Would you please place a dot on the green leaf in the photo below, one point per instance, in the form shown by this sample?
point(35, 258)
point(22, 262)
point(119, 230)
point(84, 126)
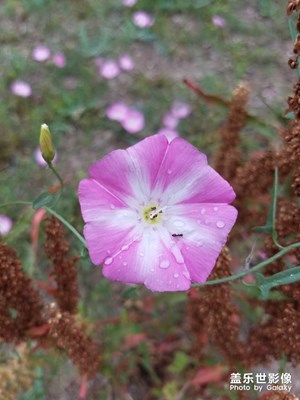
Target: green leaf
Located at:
point(289, 115)
point(46, 199)
point(265, 284)
point(130, 293)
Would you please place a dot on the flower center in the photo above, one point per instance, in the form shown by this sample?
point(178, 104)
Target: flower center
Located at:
point(152, 214)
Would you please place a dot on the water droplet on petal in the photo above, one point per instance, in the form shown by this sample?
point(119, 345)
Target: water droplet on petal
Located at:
point(164, 264)
point(142, 254)
point(112, 206)
point(108, 260)
point(152, 269)
point(108, 251)
point(176, 275)
point(125, 247)
point(124, 263)
point(169, 172)
point(220, 224)
point(178, 223)
point(216, 208)
point(199, 243)
point(203, 211)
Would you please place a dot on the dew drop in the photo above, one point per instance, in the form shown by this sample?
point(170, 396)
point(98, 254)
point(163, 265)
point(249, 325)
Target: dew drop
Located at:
point(152, 269)
point(108, 251)
point(108, 260)
point(112, 206)
point(199, 243)
point(169, 172)
point(176, 275)
point(177, 286)
point(142, 254)
point(178, 223)
point(164, 264)
point(125, 247)
point(203, 211)
point(124, 263)
point(220, 224)
point(216, 208)
point(177, 254)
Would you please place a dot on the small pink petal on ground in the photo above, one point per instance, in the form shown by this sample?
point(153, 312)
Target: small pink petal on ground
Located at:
point(134, 121)
point(21, 88)
point(109, 69)
point(126, 63)
point(5, 225)
point(218, 21)
point(129, 3)
point(169, 133)
point(39, 158)
point(142, 19)
point(59, 60)
point(117, 111)
point(180, 109)
point(169, 121)
point(41, 53)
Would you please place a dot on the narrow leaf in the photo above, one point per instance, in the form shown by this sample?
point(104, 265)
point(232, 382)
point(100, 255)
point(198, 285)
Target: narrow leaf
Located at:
point(46, 199)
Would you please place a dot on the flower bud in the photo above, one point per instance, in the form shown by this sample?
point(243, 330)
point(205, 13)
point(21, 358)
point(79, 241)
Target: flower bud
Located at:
point(46, 145)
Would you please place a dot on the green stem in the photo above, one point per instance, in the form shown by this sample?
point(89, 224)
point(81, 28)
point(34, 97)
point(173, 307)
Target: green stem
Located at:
point(67, 224)
point(251, 270)
point(50, 211)
point(56, 174)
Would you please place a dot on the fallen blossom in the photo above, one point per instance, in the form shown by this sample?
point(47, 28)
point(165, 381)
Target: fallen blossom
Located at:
point(5, 225)
point(117, 111)
point(21, 88)
point(109, 69)
point(134, 121)
point(180, 110)
point(169, 133)
point(129, 3)
point(142, 19)
point(156, 213)
point(170, 121)
point(41, 53)
point(218, 21)
point(126, 63)
point(59, 60)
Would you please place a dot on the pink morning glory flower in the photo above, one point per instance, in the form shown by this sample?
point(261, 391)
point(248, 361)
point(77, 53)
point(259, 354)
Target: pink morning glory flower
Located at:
point(218, 21)
point(134, 121)
point(21, 88)
point(5, 225)
point(156, 213)
point(41, 53)
point(126, 63)
point(59, 60)
point(117, 111)
point(109, 69)
point(142, 19)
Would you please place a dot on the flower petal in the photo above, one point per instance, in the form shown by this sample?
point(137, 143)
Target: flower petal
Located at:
point(131, 173)
point(185, 177)
point(150, 262)
point(204, 228)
